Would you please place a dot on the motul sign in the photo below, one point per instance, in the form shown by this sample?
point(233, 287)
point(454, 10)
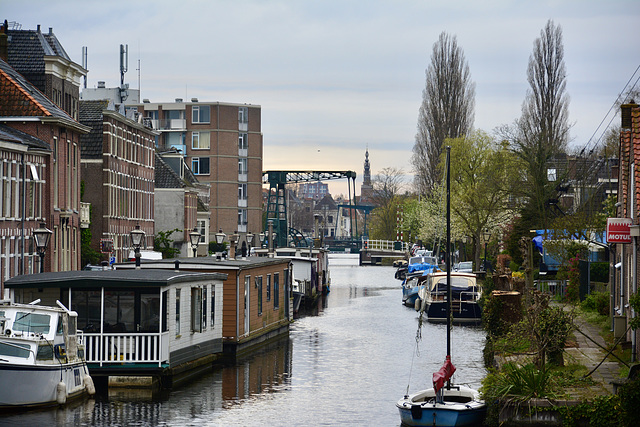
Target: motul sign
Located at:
point(619, 230)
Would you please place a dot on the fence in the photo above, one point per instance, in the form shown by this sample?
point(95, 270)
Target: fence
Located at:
point(126, 348)
point(552, 287)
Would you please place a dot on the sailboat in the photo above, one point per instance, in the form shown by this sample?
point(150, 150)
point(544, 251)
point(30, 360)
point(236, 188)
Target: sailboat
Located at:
point(444, 404)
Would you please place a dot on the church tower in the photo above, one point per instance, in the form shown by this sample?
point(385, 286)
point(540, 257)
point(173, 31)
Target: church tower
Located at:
point(366, 190)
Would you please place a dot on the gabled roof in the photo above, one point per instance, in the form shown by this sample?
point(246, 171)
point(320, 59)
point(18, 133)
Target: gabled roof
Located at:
point(165, 176)
point(26, 52)
point(20, 98)
point(9, 134)
point(90, 114)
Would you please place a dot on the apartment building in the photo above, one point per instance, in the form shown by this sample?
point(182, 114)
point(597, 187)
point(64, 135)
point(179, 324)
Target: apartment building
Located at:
point(222, 144)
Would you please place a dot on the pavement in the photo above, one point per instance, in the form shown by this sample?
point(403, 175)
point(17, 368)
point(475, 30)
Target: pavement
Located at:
point(591, 354)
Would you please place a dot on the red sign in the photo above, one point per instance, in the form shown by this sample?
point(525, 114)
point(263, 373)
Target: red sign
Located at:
point(618, 230)
point(106, 246)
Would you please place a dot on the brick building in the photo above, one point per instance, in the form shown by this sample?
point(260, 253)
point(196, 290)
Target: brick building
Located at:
point(222, 144)
point(118, 157)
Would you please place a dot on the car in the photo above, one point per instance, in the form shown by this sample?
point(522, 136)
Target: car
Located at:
point(465, 267)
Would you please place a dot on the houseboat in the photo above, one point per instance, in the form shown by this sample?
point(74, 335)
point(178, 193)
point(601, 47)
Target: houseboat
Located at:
point(256, 295)
point(157, 324)
point(41, 356)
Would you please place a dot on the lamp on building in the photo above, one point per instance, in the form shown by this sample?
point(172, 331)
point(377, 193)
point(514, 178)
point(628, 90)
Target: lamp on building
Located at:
point(42, 236)
point(220, 236)
point(136, 236)
point(486, 235)
point(194, 239)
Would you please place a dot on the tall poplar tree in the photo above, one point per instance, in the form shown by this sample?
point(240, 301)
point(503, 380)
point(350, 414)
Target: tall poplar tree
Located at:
point(447, 109)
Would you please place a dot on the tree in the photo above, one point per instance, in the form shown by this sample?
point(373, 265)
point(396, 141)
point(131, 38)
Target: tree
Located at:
point(447, 109)
point(163, 243)
point(542, 132)
point(481, 183)
point(385, 196)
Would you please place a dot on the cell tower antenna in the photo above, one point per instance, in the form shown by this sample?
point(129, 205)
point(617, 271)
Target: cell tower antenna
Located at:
point(85, 63)
point(124, 61)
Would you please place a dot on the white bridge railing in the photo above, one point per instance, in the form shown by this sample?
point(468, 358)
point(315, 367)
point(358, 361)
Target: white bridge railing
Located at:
point(386, 245)
point(117, 348)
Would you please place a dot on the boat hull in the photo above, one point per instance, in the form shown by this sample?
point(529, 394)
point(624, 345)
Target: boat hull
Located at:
point(461, 406)
point(409, 295)
point(468, 312)
point(36, 385)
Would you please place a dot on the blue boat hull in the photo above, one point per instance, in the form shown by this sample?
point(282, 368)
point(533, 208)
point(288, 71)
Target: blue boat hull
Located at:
point(461, 407)
point(409, 295)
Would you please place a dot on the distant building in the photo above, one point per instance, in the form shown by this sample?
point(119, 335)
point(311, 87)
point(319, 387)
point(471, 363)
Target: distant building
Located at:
point(315, 190)
point(366, 189)
point(326, 210)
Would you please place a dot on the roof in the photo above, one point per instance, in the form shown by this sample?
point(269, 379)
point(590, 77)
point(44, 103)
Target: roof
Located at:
point(208, 263)
point(26, 52)
point(165, 176)
point(90, 114)
point(9, 134)
point(20, 98)
point(109, 278)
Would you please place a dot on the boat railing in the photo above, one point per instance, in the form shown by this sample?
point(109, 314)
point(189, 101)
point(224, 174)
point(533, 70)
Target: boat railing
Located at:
point(119, 348)
point(463, 296)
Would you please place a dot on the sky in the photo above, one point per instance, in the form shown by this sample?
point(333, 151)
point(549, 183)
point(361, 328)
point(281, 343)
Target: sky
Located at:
point(335, 78)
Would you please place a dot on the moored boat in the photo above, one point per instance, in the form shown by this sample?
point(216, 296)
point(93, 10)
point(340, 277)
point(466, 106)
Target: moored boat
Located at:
point(41, 356)
point(414, 282)
point(465, 298)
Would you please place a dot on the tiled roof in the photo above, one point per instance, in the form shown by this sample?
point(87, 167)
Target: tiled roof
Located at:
point(165, 176)
point(26, 52)
point(19, 98)
point(90, 114)
point(9, 134)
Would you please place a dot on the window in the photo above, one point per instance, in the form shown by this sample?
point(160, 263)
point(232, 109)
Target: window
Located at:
point(243, 115)
point(552, 174)
point(242, 166)
point(204, 307)
point(259, 288)
point(242, 217)
point(213, 305)
point(242, 191)
point(200, 114)
point(177, 312)
point(243, 141)
point(202, 229)
point(200, 140)
point(200, 165)
point(268, 287)
point(196, 309)
point(276, 290)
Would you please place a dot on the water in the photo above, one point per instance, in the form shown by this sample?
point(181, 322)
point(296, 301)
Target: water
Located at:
point(346, 365)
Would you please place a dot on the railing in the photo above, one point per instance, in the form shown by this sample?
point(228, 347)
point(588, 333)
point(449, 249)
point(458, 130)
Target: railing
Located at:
point(553, 287)
point(126, 348)
point(386, 245)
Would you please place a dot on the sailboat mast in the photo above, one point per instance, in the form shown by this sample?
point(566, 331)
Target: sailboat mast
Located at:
point(447, 256)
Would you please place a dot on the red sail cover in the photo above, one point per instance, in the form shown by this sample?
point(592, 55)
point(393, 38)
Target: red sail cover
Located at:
point(443, 375)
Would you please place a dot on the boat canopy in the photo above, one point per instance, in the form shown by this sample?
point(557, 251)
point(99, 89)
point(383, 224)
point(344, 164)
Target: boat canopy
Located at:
point(423, 266)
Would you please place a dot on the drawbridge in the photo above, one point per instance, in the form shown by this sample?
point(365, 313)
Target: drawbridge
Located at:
point(277, 204)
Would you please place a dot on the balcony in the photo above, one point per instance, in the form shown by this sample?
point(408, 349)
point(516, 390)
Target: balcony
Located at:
point(169, 124)
point(85, 215)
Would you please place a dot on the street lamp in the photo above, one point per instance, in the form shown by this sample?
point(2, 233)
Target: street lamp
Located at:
point(219, 239)
point(42, 236)
point(136, 240)
point(194, 238)
point(486, 235)
point(261, 237)
point(250, 237)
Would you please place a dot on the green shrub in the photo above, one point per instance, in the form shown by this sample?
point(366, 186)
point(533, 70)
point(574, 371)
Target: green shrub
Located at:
point(598, 302)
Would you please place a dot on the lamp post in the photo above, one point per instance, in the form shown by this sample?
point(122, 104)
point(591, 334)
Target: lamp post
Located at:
point(233, 239)
point(136, 240)
point(194, 239)
point(42, 236)
point(250, 237)
point(219, 239)
point(261, 236)
point(486, 235)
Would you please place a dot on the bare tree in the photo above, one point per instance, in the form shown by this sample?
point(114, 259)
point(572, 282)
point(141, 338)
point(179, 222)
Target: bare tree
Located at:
point(387, 186)
point(542, 132)
point(447, 109)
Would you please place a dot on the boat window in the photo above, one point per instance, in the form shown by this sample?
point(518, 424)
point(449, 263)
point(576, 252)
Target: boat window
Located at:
point(32, 322)
point(60, 328)
point(457, 282)
point(45, 352)
point(73, 325)
point(119, 311)
point(150, 312)
point(87, 305)
point(14, 350)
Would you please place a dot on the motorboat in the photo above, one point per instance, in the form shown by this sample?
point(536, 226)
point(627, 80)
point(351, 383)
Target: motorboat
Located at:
point(465, 298)
point(414, 281)
point(41, 356)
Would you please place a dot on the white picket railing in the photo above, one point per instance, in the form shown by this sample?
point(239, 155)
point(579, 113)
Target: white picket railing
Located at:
point(126, 348)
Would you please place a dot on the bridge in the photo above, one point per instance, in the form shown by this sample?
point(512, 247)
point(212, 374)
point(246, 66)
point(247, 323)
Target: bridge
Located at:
point(373, 251)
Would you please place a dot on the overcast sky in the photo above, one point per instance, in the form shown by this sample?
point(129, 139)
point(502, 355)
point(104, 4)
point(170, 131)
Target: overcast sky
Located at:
point(336, 77)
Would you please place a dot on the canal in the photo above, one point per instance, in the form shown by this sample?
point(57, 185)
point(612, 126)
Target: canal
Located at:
point(347, 363)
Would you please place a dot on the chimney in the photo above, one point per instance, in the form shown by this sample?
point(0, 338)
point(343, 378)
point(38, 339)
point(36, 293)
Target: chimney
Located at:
point(625, 113)
point(51, 30)
point(194, 99)
point(4, 42)
point(101, 85)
